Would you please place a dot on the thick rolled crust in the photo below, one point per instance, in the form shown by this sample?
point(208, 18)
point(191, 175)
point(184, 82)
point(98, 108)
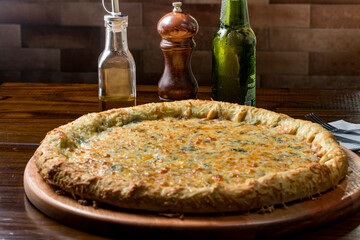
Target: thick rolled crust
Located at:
point(253, 193)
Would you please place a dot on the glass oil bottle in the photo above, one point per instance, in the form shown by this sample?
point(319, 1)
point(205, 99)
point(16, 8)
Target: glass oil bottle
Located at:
point(116, 65)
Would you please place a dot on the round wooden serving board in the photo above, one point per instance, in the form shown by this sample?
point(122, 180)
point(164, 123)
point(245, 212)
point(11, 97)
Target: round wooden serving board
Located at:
point(326, 208)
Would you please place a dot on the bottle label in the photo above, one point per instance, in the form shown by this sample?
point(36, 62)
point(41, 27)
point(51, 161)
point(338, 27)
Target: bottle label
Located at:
point(250, 94)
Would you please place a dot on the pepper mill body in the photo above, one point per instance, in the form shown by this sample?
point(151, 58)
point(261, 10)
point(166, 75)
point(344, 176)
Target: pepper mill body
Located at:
point(177, 30)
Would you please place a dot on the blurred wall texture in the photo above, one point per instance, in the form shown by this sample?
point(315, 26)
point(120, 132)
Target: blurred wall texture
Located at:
point(300, 43)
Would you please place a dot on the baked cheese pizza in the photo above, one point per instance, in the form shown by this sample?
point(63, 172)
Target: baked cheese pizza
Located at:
point(191, 156)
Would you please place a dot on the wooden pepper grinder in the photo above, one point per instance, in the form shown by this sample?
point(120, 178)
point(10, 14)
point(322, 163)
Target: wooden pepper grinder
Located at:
point(177, 30)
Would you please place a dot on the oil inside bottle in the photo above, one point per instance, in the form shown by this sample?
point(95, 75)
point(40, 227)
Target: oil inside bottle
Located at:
point(116, 88)
point(119, 102)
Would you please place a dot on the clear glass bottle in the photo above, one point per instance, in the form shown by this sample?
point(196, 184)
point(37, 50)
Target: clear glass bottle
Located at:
point(117, 71)
point(234, 52)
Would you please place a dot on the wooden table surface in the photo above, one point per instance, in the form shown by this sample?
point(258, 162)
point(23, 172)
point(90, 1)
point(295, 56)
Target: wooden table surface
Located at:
point(29, 110)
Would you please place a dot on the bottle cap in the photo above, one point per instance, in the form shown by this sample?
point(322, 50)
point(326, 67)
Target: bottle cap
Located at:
point(177, 24)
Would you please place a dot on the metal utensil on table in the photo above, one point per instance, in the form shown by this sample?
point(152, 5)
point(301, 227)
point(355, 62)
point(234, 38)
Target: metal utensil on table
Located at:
point(316, 119)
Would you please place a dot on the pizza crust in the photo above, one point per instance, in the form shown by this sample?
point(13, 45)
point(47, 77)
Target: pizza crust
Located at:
point(51, 161)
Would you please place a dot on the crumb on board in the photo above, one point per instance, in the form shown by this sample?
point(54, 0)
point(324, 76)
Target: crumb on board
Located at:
point(266, 209)
point(83, 202)
point(60, 192)
point(95, 204)
point(172, 215)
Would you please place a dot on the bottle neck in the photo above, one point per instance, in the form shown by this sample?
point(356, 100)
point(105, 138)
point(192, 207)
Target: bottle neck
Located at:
point(234, 13)
point(116, 37)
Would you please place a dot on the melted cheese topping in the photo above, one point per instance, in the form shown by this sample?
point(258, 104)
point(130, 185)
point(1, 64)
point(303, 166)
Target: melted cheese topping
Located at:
point(190, 152)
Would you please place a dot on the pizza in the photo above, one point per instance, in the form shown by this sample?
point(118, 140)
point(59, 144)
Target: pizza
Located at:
point(191, 156)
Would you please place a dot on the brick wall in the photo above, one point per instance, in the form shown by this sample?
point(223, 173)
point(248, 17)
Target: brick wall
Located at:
point(301, 43)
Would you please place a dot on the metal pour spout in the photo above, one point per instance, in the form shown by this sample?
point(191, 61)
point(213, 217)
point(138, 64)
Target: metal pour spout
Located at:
point(115, 7)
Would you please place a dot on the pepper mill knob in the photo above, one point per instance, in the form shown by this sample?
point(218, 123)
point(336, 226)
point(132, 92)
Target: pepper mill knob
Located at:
point(177, 30)
point(177, 6)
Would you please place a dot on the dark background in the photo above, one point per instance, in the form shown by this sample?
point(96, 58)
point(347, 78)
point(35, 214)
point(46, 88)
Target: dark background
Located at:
point(301, 43)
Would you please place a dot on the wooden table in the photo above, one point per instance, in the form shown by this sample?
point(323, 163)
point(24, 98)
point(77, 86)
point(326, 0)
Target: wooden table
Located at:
point(28, 111)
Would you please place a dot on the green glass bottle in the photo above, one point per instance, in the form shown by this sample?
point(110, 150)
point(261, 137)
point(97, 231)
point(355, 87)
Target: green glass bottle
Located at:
point(234, 52)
